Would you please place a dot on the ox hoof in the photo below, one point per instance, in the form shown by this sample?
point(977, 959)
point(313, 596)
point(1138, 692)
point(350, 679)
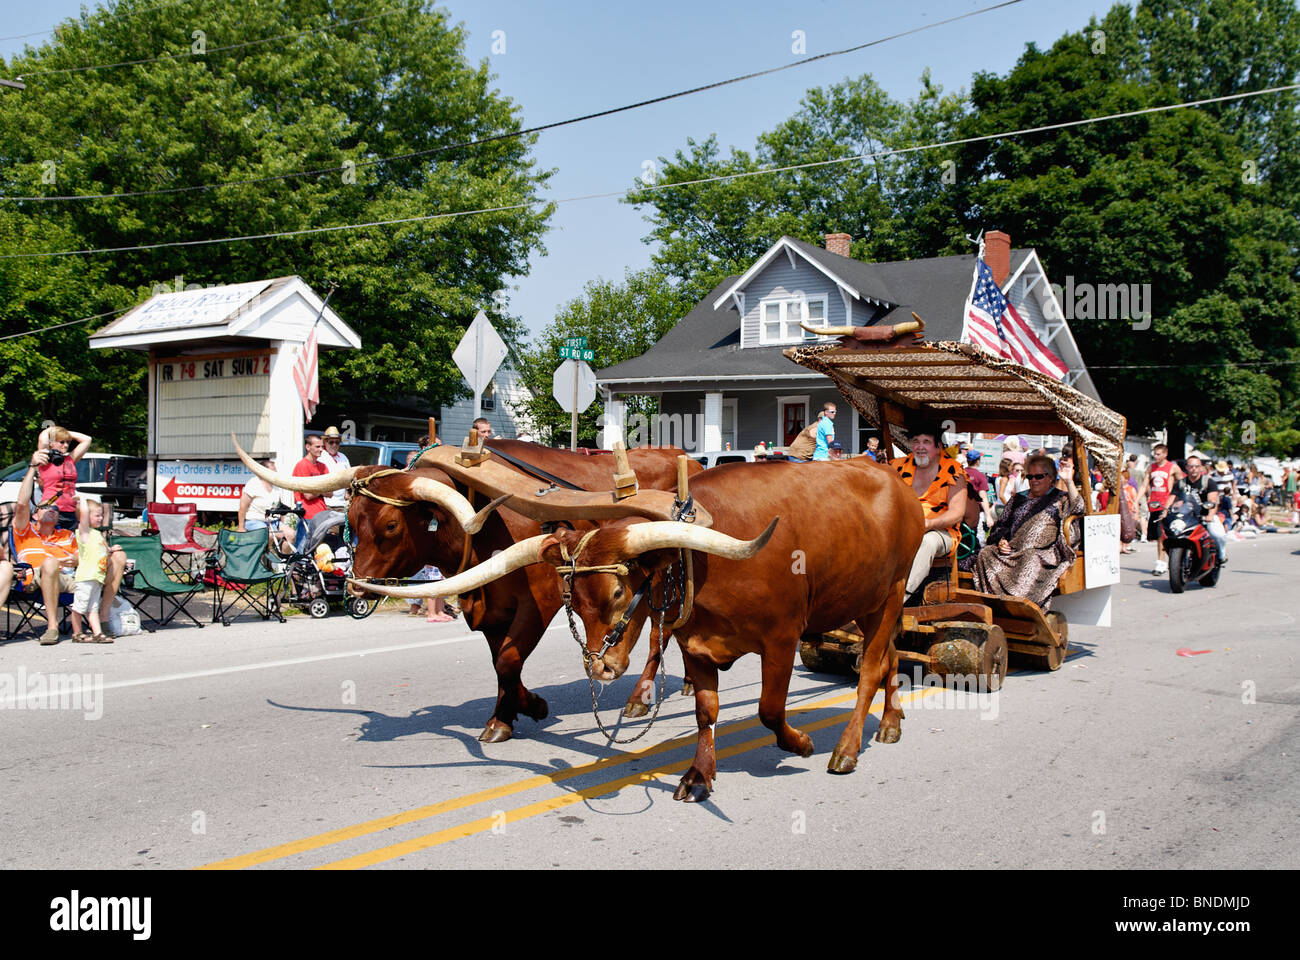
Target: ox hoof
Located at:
point(841, 763)
point(635, 708)
point(889, 734)
point(495, 732)
point(691, 792)
point(535, 708)
point(688, 689)
point(694, 787)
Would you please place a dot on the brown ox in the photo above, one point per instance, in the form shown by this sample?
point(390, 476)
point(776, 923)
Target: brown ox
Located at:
point(514, 611)
point(841, 552)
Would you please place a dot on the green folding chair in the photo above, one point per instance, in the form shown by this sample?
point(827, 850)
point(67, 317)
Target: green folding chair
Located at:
point(243, 574)
point(150, 579)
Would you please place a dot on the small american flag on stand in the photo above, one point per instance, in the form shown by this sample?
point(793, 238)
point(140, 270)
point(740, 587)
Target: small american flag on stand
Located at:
point(994, 324)
point(305, 375)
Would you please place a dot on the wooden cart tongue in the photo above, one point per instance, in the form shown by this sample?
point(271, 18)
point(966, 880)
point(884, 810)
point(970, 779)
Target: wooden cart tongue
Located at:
point(540, 501)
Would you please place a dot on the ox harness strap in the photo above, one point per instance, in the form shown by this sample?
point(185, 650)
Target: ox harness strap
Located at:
point(678, 588)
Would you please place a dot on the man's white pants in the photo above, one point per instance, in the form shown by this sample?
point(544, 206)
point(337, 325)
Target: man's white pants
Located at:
point(935, 543)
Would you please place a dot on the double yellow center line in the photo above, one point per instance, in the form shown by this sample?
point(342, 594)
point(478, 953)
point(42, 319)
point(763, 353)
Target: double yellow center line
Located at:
point(393, 851)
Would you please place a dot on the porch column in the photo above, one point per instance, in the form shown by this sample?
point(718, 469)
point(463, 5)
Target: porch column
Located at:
point(711, 436)
point(612, 423)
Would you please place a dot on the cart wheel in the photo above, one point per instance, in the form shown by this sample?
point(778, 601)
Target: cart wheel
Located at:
point(993, 658)
point(1049, 660)
point(1061, 627)
point(320, 607)
point(820, 660)
point(360, 607)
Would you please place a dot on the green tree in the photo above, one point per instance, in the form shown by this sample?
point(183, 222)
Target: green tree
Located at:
point(1161, 198)
point(1203, 204)
point(620, 321)
point(708, 231)
point(344, 93)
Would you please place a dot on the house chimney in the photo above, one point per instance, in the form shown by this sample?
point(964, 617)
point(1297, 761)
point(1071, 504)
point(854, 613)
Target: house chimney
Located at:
point(838, 243)
point(997, 254)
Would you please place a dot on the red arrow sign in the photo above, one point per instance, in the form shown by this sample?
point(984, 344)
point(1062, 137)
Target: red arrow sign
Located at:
point(201, 491)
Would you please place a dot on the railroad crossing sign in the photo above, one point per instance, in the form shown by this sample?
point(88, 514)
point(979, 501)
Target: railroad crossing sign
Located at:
point(478, 355)
point(574, 388)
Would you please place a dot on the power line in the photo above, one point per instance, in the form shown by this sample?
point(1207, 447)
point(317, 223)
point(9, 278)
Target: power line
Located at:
point(70, 323)
point(232, 46)
point(659, 186)
point(519, 133)
point(113, 16)
point(1197, 366)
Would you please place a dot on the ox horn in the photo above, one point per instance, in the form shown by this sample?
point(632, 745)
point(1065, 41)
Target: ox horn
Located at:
point(671, 534)
point(863, 333)
point(518, 555)
point(327, 483)
point(449, 498)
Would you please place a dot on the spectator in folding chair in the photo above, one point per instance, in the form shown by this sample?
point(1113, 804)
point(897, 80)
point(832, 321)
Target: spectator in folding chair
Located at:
point(258, 497)
point(50, 552)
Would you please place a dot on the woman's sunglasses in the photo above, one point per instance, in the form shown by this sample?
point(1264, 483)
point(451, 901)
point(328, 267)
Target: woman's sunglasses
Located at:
point(1035, 476)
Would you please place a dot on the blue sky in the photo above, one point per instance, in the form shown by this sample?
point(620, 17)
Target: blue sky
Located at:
point(564, 59)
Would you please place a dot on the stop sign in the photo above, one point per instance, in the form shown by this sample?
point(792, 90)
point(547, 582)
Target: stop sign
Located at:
point(569, 374)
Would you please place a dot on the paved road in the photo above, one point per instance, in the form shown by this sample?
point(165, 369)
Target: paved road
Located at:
point(339, 743)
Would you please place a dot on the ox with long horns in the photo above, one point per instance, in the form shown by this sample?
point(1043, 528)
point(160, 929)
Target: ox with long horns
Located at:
point(841, 551)
point(404, 519)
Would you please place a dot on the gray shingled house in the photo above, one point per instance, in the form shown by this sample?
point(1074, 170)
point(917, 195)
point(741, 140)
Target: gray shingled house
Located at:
point(720, 374)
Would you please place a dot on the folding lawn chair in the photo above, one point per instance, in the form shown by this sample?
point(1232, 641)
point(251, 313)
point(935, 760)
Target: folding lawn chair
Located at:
point(150, 579)
point(242, 563)
point(27, 601)
point(181, 541)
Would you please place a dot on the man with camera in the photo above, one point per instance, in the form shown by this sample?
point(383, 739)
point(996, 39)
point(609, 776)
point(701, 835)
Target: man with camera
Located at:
point(56, 462)
point(51, 551)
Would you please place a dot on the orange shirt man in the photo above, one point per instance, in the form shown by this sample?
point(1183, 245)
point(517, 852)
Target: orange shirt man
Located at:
point(939, 482)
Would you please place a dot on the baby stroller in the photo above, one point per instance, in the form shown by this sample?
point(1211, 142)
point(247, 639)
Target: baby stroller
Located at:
point(318, 576)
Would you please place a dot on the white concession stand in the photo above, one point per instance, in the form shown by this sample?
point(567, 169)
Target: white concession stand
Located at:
point(221, 361)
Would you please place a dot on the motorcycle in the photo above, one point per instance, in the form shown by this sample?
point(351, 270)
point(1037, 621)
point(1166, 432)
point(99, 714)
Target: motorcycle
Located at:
point(1193, 554)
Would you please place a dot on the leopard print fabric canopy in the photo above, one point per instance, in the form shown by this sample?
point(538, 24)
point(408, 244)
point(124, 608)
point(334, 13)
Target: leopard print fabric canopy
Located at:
point(982, 386)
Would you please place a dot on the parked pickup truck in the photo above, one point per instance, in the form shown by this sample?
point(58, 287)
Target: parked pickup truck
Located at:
point(365, 453)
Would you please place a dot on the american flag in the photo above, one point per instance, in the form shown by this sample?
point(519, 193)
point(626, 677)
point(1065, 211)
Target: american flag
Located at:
point(304, 375)
point(994, 324)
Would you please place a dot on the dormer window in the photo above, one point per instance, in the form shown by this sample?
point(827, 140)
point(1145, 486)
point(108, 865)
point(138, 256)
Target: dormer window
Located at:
point(778, 319)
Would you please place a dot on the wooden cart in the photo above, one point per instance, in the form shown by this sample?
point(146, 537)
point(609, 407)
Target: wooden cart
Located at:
point(958, 630)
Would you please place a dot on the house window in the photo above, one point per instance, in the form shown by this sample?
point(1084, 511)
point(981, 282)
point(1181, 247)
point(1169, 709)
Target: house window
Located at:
point(490, 397)
point(779, 319)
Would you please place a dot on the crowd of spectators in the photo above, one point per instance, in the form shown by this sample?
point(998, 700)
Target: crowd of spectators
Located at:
point(1245, 493)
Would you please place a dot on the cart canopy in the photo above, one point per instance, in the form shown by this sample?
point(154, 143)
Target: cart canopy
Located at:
point(895, 381)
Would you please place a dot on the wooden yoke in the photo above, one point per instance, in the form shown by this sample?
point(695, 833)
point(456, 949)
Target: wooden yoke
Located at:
point(688, 561)
point(472, 452)
point(433, 429)
point(625, 484)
